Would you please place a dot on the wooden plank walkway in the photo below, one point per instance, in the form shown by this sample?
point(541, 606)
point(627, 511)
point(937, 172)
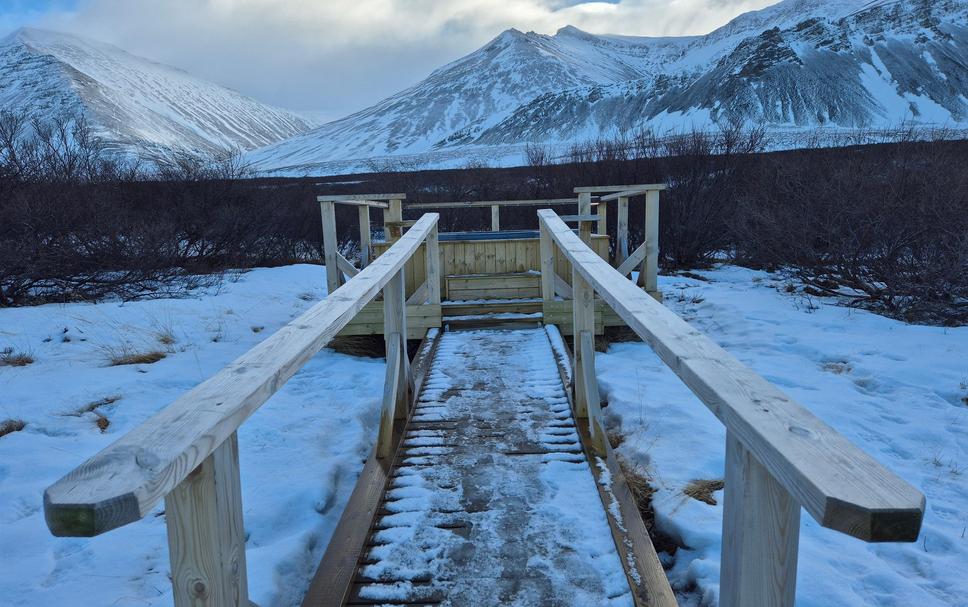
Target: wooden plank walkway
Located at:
point(491, 499)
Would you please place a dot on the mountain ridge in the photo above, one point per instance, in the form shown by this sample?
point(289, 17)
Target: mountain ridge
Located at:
point(798, 64)
point(134, 104)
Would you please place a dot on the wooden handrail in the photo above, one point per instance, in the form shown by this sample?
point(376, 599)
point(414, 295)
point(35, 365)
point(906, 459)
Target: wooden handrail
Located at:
point(122, 483)
point(491, 203)
point(779, 456)
point(638, 191)
point(842, 487)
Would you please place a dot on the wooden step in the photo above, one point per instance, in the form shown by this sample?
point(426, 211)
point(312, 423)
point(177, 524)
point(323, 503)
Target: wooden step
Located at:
point(497, 306)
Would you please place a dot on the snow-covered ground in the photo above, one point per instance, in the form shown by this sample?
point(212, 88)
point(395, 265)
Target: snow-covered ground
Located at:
point(894, 389)
point(300, 453)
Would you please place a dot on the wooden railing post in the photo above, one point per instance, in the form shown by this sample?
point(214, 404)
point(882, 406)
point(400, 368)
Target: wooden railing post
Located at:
point(495, 218)
point(583, 319)
point(392, 218)
point(433, 266)
point(334, 276)
point(622, 235)
point(585, 209)
point(761, 533)
point(206, 539)
point(649, 272)
point(396, 391)
point(602, 218)
point(547, 252)
point(365, 246)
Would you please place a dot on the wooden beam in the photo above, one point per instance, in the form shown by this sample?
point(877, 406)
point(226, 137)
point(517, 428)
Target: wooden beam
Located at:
point(432, 266)
point(360, 203)
point(395, 323)
point(649, 272)
point(589, 386)
point(633, 260)
point(842, 487)
point(635, 192)
point(334, 279)
point(495, 218)
point(345, 266)
point(124, 482)
point(602, 219)
point(622, 236)
point(546, 250)
point(583, 314)
point(585, 225)
point(761, 532)
point(562, 288)
point(391, 391)
point(491, 203)
point(366, 247)
point(590, 217)
point(419, 296)
point(206, 538)
point(363, 197)
point(604, 189)
point(392, 217)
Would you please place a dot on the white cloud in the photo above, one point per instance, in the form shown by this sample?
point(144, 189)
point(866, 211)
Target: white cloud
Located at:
point(338, 57)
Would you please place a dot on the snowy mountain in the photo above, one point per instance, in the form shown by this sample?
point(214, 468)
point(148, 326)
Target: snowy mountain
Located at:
point(132, 103)
point(799, 64)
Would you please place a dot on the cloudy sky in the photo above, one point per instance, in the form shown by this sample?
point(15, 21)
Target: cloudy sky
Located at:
point(336, 57)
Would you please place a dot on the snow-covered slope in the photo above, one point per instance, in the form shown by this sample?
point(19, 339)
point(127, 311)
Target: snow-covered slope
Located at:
point(133, 103)
point(798, 64)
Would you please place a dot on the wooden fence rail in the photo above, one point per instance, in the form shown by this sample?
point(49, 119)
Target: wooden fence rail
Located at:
point(187, 453)
point(779, 456)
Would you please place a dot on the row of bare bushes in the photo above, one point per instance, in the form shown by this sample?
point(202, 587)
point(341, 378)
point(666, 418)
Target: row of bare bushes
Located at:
point(78, 223)
point(881, 226)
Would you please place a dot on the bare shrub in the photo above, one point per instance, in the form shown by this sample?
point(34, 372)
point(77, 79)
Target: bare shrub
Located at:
point(14, 358)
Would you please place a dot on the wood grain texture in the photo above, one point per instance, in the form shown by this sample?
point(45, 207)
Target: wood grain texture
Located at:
point(392, 384)
point(366, 247)
point(334, 279)
point(583, 321)
point(761, 532)
point(547, 255)
point(622, 231)
point(206, 538)
point(842, 487)
point(432, 267)
point(602, 219)
point(649, 273)
point(632, 261)
point(345, 266)
point(122, 483)
point(590, 394)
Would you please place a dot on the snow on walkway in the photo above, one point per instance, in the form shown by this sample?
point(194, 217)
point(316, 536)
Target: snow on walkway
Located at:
point(493, 502)
point(898, 391)
point(300, 453)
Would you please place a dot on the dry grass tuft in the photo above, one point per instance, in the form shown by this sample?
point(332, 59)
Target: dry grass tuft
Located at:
point(702, 490)
point(102, 423)
point(9, 426)
point(126, 355)
point(11, 358)
point(615, 438)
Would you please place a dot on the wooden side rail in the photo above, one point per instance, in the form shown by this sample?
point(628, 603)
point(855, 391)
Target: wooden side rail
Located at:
point(187, 453)
point(779, 456)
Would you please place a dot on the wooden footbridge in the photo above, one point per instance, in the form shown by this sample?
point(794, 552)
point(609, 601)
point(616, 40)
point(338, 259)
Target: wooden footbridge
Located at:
point(491, 480)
